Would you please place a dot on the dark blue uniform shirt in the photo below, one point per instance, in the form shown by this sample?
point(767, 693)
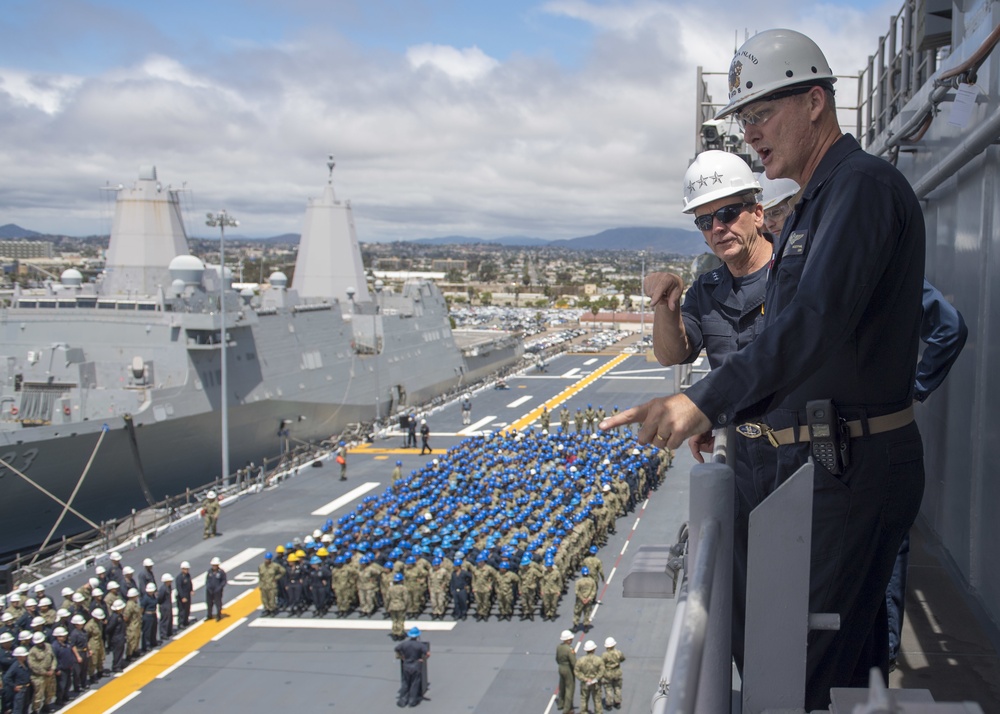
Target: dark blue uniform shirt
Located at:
point(943, 334)
point(843, 300)
point(723, 314)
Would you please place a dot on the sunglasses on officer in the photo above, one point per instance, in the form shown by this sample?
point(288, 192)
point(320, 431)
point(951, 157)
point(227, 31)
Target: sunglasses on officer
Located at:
point(726, 215)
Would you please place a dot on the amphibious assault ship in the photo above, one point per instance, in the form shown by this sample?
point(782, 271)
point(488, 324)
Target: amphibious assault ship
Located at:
point(110, 392)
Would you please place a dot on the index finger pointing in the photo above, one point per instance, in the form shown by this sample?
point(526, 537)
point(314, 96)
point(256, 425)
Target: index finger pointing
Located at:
point(629, 416)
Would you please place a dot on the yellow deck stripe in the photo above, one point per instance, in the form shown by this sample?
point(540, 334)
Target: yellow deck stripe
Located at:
point(135, 678)
point(369, 450)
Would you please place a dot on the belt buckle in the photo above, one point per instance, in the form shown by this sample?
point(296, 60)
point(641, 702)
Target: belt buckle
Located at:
point(755, 430)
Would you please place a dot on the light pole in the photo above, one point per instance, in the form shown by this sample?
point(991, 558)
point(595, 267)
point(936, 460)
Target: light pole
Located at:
point(378, 308)
point(642, 295)
point(223, 219)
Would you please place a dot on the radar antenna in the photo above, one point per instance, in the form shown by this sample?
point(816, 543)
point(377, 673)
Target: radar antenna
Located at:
point(330, 164)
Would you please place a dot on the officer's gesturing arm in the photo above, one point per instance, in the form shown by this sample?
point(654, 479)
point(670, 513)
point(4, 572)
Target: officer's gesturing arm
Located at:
point(943, 332)
point(670, 341)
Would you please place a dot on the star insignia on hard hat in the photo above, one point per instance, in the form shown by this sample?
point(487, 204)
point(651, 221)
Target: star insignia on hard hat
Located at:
point(716, 178)
point(701, 181)
point(691, 187)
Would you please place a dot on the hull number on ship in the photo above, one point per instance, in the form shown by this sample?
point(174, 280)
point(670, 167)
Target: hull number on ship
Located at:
point(22, 462)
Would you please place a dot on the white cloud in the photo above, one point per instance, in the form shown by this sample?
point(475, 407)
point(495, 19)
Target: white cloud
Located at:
point(435, 140)
point(467, 64)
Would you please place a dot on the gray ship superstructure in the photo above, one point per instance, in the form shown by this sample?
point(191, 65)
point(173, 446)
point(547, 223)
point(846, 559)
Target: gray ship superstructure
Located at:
point(111, 391)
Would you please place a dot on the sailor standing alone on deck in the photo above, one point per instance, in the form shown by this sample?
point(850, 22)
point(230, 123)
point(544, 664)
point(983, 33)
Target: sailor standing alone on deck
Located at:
point(341, 459)
point(210, 513)
point(413, 681)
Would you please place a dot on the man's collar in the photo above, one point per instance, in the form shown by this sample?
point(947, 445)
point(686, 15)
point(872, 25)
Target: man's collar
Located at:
point(841, 148)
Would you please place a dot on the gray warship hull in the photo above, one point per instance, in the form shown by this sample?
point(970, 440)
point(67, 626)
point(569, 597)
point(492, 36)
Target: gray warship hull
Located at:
point(111, 402)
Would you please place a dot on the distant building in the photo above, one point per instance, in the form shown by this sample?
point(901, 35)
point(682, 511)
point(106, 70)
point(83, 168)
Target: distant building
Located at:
point(25, 249)
point(445, 264)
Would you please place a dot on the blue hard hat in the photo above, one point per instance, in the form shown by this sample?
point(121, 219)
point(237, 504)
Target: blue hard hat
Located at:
point(388, 566)
point(593, 549)
point(410, 560)
point(504, 565)
point(436, 561)
point(414, 632)
point(458, 562)
point(585, 570)
point(399, 463)
point(398, 577)
point(268, 555)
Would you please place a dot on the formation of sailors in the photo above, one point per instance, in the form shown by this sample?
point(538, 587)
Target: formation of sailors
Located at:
point(501, 521)
point(49, 654)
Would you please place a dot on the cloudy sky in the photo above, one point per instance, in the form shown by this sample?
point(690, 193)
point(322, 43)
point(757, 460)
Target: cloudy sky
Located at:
point(548, 118)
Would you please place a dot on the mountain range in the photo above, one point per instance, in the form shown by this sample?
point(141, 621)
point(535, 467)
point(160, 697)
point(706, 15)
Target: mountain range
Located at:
point(677, 241)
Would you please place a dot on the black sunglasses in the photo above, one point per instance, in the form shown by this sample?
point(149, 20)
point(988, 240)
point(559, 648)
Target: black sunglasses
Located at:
point(726, 215)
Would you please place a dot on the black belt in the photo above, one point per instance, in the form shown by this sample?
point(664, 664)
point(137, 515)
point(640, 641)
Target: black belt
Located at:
point(793, 435)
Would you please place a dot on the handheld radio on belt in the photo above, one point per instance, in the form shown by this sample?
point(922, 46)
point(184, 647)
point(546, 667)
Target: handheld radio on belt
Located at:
point(829, 436)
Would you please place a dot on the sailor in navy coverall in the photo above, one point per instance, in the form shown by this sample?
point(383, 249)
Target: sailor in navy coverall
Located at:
point(842, 323)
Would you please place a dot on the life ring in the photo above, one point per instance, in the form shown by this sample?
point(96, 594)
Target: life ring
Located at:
point(13, 411)
point(67, 411)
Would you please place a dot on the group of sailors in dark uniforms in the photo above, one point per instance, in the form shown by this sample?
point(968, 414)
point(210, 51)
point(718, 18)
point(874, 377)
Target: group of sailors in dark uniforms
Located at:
point(50, 655)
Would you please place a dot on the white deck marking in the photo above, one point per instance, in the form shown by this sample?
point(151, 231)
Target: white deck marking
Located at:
point(590, 362)
point(610, 575)
point(229, 629)
point(122, 703)
point(518, 402)
point(169, 670)
point(642, 371)
point(345, 499)
point(315, 624)
point(571, 374)
point(473, 428)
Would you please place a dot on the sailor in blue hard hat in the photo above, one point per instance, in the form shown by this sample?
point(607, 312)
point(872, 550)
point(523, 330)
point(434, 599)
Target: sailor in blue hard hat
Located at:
point(413, 673)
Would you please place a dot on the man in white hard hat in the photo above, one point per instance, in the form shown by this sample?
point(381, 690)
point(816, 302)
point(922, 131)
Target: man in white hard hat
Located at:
point(566, 661)
point(184, 587)
point(215, 583)
point(115, 571)
point(612, 682)
point(590, 670)
point(95, 643)
point(832, 373)
point(777, 197)
point(18, 679)
point(210, 514)
point(165, 599)
point(146, 575)
point(147, 603)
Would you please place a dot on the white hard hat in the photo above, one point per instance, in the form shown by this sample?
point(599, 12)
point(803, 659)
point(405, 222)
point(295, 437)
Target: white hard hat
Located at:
point(118, 605)
point(309, 539)
point(6, 617)
point(39, 588)
point(423, 421)
point(38, 638)
point(77, 597)
point(148, 562)
point(31, 602)
point(14, 597)
point(97, 592)
point(210, 494)
point(128, 570)
point(100, 570)
point(150, 587)
point(37, 621)
point(94, 582)
point(66, 592)
point(565, 635)
point(24, 636)
point(45, 602)
point(20, 652)
point(590, 646)
point(77, 620)
point(610, 642)
point(116, 556)
point(113, 585)
point(59, 632)
point(716, 174)
point(98, 614)
point(185, 565)
point(770, 61)
point(317, 534)
point(215, 561)
point(6, 637)
point(606, 487)
point(166, 578)
point(774, 191)
point(62, 613)
point(132, 592)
